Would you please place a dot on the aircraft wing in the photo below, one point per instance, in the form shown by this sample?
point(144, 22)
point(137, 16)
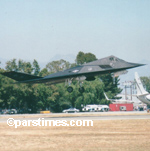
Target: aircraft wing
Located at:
point(109, 64)
point(19, 76)
point(88, 72)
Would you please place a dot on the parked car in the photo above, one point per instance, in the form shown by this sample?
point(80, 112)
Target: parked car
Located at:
point(13, 111)
point(5, 111)
point(71, 110)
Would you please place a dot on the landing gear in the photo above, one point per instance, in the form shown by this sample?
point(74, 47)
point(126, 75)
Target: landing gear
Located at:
point(70, 89)
point(81, 89)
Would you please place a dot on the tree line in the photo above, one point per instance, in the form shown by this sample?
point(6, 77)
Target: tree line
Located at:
point(53, 97)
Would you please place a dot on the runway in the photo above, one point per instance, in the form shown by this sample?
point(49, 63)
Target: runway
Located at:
point(79, 116)
point(116, 117)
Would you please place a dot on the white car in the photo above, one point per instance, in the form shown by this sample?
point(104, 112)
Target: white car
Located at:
point(71, 110)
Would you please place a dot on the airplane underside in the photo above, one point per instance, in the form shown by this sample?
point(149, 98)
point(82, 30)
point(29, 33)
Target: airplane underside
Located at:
point(108, 65)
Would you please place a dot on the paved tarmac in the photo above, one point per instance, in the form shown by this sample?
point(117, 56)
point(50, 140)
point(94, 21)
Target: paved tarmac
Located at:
point(79, 116)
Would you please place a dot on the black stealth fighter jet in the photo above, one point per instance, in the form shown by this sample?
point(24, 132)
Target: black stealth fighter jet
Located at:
point(86, 71)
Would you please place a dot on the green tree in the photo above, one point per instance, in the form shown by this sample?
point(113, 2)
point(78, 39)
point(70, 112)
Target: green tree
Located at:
point(111, 85)
point(85, 58)
point(20, 65)
point(28, 67)
point(56, 66)
point(36, 68)
point(11, 65)
point(44, 72)
point(146, 83)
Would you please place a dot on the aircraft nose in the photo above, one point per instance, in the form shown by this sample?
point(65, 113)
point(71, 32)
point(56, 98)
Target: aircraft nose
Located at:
point(137, 64)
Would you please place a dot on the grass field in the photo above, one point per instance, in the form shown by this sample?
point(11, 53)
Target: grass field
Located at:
point(104, 135)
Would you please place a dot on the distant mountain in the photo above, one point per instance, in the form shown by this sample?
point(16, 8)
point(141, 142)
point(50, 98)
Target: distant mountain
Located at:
point(69, 57)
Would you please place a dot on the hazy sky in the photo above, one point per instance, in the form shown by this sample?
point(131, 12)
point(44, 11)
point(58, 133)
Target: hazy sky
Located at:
point(40, 29)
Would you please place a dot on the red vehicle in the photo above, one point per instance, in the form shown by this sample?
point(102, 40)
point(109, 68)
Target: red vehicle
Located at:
point(121, 107)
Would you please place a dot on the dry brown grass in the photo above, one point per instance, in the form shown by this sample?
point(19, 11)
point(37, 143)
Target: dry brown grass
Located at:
point(107, 135)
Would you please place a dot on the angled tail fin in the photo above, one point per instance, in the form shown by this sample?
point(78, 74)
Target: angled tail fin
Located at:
point(18, 76)
point(139, 85)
